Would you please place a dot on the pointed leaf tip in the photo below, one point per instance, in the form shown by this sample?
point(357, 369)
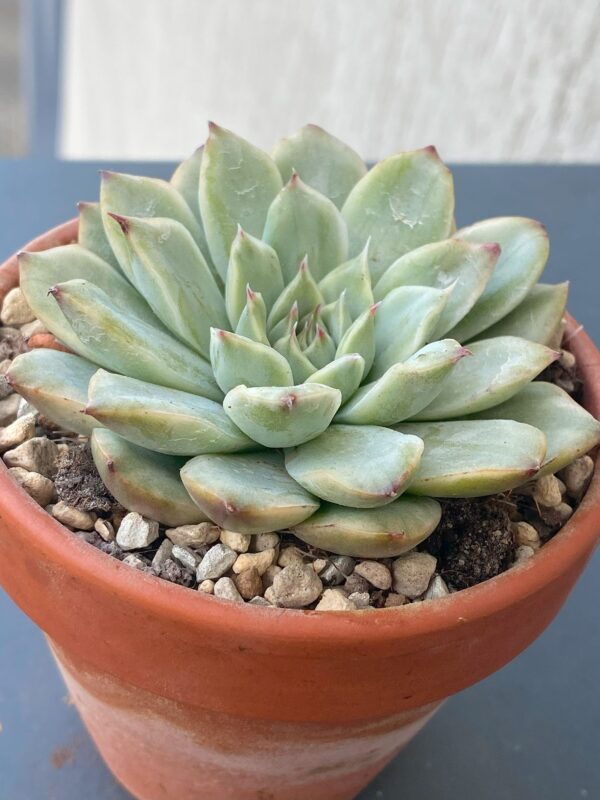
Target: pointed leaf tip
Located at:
point(122, 221)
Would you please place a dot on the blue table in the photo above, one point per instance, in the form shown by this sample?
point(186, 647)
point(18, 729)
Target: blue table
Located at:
point(529, 732)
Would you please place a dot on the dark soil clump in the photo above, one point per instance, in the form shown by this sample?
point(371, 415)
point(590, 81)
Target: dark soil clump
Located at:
point(78, 483)
point(473, 541)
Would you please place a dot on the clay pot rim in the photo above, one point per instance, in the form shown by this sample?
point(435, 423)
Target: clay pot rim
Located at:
point(158, 597)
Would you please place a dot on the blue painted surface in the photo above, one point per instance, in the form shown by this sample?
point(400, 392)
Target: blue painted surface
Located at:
point(530, 732)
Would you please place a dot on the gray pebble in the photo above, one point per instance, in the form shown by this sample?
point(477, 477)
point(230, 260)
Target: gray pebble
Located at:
point(296, 586)
point(217, 561)
point(162, 554)
point(338, 569)
point(136, 532)
point(225, 589)
point(185, 556)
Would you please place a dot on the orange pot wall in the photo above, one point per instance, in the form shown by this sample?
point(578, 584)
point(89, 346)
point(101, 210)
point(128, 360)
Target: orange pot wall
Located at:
point(189, 696)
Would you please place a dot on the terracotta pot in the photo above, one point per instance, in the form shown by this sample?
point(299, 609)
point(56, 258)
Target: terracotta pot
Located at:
point(187, 696)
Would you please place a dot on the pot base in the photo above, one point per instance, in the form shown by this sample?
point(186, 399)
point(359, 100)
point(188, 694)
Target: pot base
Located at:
point(162, 750)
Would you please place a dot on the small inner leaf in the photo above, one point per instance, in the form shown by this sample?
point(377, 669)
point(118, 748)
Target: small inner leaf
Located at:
point(282, 417)
point(237, 360)
point(345, 374)
point(352, 279)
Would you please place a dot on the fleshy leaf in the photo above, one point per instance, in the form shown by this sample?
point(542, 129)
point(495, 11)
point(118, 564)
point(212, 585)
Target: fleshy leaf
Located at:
point(336, 317)
point(301, 222)
point(238, 183)
point(247, 493)
point(91, 234)
point(123, 343)
point(569, 429)
point(322, 161)
point(402, 203)
point(252, 263)
point(476, 457)
point(405, 321)
point(382, 532)
point(353, 278)
point(282, 417)
point(186, 179)
point(360, 338)
point(345, 374)
point(169, 271)
point(135, 196)
point(56, 384)
point(289, 348)
point(361, 466)
point(525, 248)
point(237, 360)
point(405, 388)
point(536, 318)
point(253, 320)
point(302, 290)
point(40, 271)
point(322, 348)
point(496, 369)
point(466, 266)
point(143, 481)
point(165, 420)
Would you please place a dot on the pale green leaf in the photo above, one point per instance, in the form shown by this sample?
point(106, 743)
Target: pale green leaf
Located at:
point(166, 420)
point(497, 369)
point(465, 266)
point(91, 234)
point(525, 248)
point(475, 457)
point(361, 466)
point(282, 417)
point(237, 360)
point(404, 202)
point(352, 278)
point(238, 183)
point(144, 481)
point(302, 290)
point(345, 374)
point(322, 161)
point(56, 384)
point(249, 493)
point(253, 320)
point(405, 388)
point(360, 338)
point(382, 532)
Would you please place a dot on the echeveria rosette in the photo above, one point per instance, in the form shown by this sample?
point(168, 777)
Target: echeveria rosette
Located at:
point(294, 342)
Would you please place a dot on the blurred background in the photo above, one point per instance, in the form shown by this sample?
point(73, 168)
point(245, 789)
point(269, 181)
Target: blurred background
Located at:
point(484, 80)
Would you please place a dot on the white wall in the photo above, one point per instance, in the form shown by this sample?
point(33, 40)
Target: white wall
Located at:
point(484, 80)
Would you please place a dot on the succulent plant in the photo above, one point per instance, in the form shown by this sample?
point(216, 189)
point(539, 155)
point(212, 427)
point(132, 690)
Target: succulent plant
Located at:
point(294, 342)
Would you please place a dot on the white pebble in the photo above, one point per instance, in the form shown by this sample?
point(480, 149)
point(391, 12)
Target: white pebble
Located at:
point(261, 561)
point(360, 599)
point(290, 555)
point(31, 328)
point(217, 561)
point(265, 541)
point(297, 586)
point(104, 528)
point(17, 432)
point(194, 535)
point(186, 557)
point(226, 589)
point(523, 553)
point(577, 475)
point(334, 600)
point(163, 553)
point(136, 532)
point(15, 309)
point(74, 518)
point(270, 596)
point(208, 587)
point(38, 487)
point(437, 588)
point(547, 491)
point(8, 409)
point(258, 601)
point(412, 573)
point(376, 573)
point(240, 542)
point(269, 575)
point(133, 560)
point(319, 565)
point(39, 454)
point(526, 534)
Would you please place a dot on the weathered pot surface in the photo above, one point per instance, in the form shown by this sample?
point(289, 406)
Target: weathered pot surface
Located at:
point(189, 696)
